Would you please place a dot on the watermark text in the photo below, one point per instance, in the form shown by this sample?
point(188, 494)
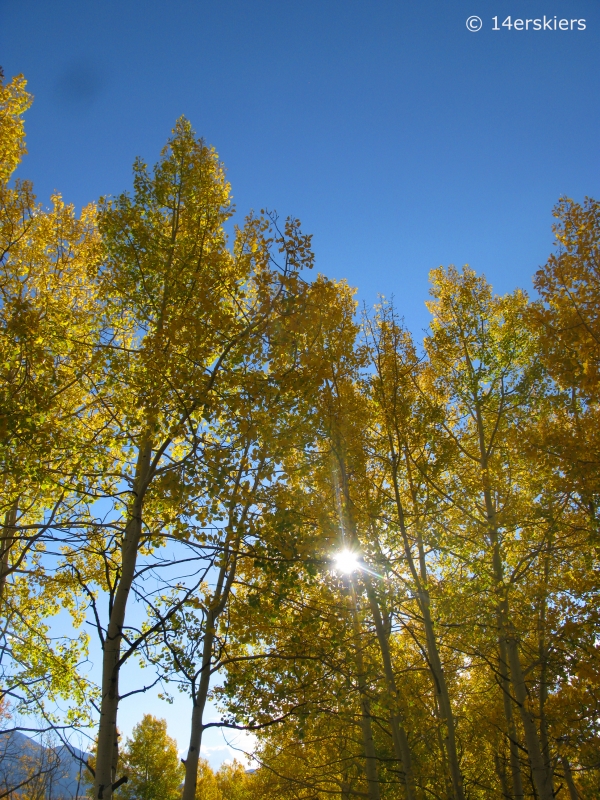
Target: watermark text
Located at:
point(544, 23)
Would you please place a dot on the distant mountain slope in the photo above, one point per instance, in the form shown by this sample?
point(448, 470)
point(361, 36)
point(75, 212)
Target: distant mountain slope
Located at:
point(59, 773)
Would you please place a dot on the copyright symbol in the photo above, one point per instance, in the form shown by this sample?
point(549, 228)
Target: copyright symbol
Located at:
point(474, 24)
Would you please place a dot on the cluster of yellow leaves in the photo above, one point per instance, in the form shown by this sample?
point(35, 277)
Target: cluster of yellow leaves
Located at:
point(453, 478)
point(158, 385)
point(46, 314)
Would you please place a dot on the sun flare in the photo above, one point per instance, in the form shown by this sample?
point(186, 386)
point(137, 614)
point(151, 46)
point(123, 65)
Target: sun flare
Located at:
point(346, 561)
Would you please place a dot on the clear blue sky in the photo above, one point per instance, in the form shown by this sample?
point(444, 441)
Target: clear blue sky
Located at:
point(401, 139)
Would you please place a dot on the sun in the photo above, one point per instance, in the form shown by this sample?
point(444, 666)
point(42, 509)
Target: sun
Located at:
point(346, 561)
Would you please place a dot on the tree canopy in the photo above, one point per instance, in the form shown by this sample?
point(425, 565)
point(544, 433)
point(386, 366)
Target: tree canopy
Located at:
point(380, 555)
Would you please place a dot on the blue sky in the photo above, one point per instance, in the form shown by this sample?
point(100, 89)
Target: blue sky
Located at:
point(401, 139)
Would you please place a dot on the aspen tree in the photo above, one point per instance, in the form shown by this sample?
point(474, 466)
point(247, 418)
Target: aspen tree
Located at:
point(567, 320)
point(343, 417)
point(482, 356)
point(187, 311)
point(340, 417)
point(151, 762)
point(48, 326)
point(402, 421)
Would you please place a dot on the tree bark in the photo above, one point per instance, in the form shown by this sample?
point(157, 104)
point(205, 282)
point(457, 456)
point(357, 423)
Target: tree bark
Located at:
point(365, 705)
point(345, 790)
point(500, 765)
point(221, 594)
point(443, 696)
point(7, 541)
point(443, 751)
point(399, 737)
point(107, 752)
point(543, 656)
point(509, 646)
point(513, 746)
point(369, 748)
point(197, 729)
point(542, 778)
point(435, 663)
point(573, 793)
